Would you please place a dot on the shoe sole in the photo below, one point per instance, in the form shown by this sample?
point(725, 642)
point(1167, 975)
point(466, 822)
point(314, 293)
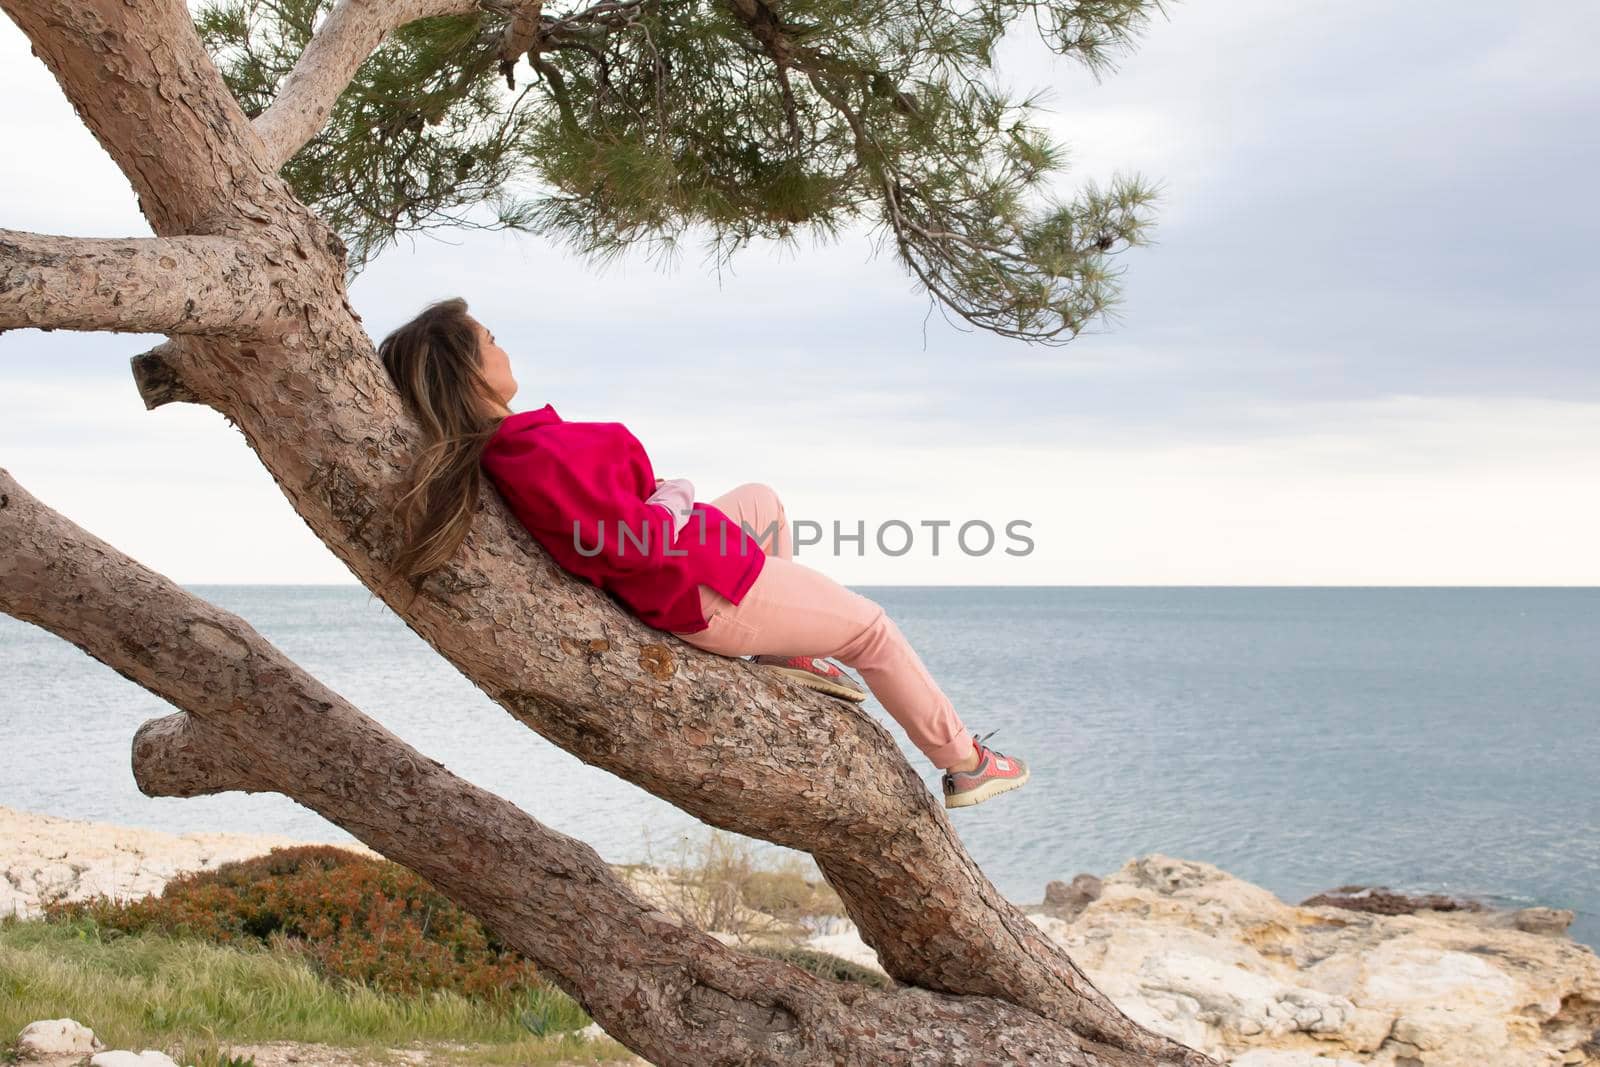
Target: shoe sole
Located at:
point(822, 685)
point(992, 788)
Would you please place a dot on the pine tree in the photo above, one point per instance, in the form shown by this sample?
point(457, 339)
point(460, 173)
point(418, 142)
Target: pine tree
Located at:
point(248, 280)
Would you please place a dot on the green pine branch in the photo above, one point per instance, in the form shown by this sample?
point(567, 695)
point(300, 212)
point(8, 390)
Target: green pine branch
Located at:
point(639, 122)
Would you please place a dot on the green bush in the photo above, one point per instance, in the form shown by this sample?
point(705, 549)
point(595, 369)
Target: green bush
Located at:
point(354, 917)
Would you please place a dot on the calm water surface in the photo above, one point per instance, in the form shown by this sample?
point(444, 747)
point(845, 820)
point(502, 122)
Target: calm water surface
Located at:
point(1442, 739)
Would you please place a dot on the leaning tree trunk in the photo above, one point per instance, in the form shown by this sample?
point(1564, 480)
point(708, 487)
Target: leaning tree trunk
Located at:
point(264, 333)
point(255, 721)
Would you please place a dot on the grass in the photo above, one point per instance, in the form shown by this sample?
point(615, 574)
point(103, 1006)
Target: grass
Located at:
point(155, 991)
point(197, 998)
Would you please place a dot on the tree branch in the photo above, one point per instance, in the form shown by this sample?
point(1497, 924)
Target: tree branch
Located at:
point(254, 720)
point(344, 40)
point(172, 285)
point(347, 36)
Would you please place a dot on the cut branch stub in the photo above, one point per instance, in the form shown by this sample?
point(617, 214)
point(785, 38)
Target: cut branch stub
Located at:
point(157, 379)
point(176, 756)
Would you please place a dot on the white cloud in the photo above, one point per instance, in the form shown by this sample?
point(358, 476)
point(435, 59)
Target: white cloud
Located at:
point(1313, 383)
point(1404, 490)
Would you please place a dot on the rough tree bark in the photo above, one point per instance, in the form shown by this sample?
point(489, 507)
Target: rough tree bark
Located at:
point(172, 285)
point(283, 356)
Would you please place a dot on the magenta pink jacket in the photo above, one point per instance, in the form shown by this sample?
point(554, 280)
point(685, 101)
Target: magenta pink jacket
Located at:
point(580, 489)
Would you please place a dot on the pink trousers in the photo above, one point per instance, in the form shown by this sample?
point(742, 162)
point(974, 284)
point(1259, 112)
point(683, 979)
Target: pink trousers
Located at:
point(792, 610)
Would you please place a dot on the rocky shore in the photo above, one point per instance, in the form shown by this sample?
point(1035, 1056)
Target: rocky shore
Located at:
point(1357, 976)
point(1226, 967)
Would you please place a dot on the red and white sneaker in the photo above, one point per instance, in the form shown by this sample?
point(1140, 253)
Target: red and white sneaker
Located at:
point(994, 774)
point(815, 673)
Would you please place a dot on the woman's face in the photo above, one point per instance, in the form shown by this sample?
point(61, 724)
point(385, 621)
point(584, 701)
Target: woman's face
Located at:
point(496, 365)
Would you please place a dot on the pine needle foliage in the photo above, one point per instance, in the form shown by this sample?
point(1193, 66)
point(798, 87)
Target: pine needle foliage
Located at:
point(640, 122)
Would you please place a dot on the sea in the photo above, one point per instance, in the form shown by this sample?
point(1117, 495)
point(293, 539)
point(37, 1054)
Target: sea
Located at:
point(1426, 739)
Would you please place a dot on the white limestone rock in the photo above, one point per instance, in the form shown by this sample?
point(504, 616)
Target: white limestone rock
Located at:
point(1278, 1058)
point(1226, 967)
point(54, 1038)
point(147, 1058)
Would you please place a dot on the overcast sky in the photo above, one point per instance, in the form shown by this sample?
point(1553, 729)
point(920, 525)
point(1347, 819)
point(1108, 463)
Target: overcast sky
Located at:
point(1361, 350)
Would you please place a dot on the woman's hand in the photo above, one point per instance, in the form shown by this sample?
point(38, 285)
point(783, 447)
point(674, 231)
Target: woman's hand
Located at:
point(677, 496)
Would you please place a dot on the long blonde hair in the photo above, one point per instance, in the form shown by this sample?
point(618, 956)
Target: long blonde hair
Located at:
point(435, 363)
